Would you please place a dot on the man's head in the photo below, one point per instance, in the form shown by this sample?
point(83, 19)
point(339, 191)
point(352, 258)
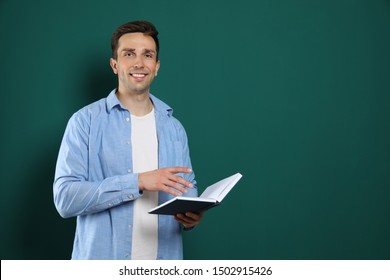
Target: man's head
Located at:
point(144, 27)
point(134, 58)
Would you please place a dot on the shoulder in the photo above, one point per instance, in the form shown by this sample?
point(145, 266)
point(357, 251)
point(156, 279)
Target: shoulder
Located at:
point(92, 109)
point(164, 114)
point(98, 108)
point(165, 111)
point(84, 116)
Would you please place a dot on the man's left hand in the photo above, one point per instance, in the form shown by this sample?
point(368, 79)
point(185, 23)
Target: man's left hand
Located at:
point(189, 219)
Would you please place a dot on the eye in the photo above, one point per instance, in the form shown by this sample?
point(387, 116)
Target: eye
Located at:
point(149, 55)
point(129, 54)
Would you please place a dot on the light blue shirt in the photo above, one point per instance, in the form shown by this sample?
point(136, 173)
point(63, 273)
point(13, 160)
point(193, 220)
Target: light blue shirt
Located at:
point(95, 182)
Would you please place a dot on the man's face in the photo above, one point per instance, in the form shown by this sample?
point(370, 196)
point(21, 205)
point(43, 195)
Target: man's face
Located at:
point(136, 63)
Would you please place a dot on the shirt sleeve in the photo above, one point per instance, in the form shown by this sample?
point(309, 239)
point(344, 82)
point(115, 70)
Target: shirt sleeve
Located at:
point(192, 192)
point(73, 193)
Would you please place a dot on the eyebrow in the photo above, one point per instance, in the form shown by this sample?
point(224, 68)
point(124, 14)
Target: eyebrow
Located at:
point(127, 50)
point(144, 50)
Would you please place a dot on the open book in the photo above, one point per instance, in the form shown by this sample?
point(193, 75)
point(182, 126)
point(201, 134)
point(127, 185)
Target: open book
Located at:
point(212, 196)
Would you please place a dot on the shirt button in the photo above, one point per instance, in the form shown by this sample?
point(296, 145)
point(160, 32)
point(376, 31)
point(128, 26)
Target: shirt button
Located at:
point(127, 119)
point(131, 196)
point(129, 170)
point(129, 226)
point(128, 142)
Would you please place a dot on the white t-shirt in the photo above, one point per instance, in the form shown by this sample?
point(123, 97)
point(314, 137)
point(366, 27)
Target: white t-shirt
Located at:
point(145, 158)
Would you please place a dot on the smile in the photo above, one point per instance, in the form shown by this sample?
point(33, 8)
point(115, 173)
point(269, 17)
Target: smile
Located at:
point(138, 75)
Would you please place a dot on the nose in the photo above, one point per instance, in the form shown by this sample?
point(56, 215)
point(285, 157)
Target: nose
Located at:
point(138, 62)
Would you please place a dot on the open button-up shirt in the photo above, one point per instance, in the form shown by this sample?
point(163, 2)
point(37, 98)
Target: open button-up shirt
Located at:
point(95, 182)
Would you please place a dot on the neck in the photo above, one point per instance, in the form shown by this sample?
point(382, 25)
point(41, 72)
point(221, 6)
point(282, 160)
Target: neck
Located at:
point(138, 104)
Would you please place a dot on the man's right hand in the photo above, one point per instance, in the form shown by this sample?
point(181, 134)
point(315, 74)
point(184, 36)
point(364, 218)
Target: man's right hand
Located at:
point(164, 179)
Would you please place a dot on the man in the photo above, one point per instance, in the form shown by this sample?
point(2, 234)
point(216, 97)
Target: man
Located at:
point(122, 156)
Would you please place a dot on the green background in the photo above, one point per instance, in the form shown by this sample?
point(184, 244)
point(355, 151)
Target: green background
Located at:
point(295, 95)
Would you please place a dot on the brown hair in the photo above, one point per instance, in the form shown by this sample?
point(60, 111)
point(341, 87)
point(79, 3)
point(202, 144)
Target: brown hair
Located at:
point(144, 27)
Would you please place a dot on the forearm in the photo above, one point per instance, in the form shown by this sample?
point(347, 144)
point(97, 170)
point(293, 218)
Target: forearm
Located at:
point(74, 197)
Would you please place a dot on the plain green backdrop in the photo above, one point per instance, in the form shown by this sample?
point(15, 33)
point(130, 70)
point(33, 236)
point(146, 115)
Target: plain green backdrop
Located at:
point(295, 95)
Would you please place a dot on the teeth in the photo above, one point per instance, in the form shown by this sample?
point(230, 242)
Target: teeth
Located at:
point(138, 75)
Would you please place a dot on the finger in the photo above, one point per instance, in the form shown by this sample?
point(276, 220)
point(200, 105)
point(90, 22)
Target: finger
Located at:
point(177, 182)
point(172, 184)
point(194, 216)
point(185, 223)
point(180, 180)
point(186, 219)
point(170, 191)
point(182, 221)
point(179, 169)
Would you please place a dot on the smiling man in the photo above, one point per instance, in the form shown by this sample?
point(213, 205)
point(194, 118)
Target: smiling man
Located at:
point(135, 61)
point(123, 155)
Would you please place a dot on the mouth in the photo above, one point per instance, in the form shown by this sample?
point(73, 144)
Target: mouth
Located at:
point(138, 75)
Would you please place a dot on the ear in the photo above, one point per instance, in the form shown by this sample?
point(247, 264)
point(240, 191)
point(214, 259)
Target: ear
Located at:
point(113, 64)
point(157, 68)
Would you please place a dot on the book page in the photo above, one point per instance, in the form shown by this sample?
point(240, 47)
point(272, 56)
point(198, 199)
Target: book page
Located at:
point(220, 189)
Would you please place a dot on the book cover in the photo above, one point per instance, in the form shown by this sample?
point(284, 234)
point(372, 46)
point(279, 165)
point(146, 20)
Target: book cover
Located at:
point(211, 197)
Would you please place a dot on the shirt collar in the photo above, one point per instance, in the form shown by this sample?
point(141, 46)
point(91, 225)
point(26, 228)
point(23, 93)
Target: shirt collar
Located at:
point(113, 101)
point(159, 106)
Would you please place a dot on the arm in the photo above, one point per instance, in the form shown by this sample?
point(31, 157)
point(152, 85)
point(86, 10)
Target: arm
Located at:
point(76, 194)
point(73, 193)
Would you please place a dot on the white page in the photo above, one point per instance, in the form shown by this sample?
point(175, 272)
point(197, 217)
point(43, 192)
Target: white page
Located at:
point(220, 189)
